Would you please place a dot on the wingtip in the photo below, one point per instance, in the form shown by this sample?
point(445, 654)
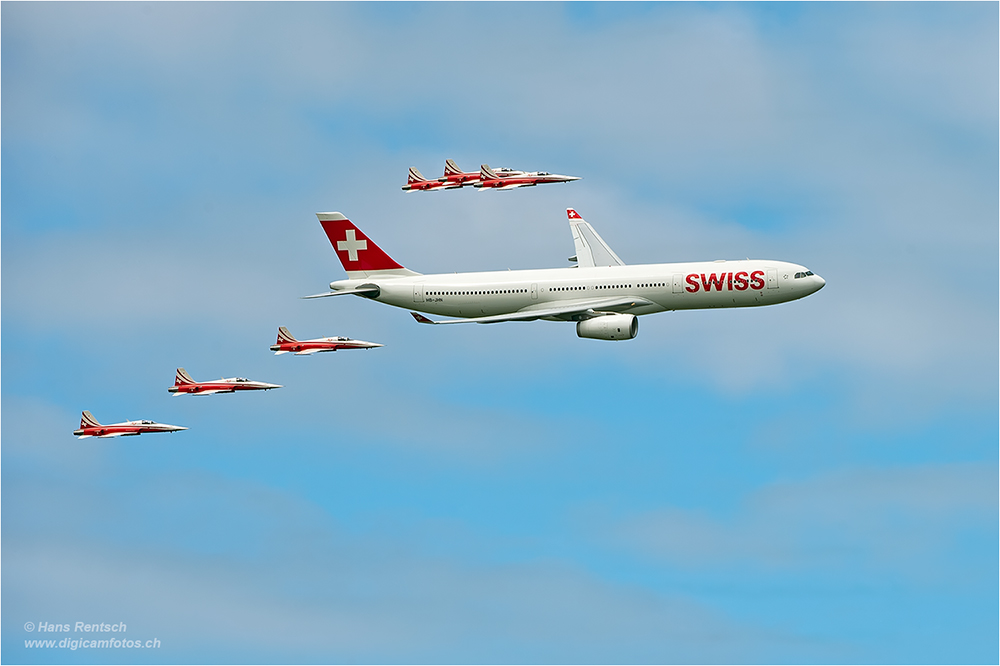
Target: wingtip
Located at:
point(421, 319)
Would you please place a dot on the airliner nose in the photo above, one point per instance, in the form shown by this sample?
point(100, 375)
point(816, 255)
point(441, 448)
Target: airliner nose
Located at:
point(820, 282)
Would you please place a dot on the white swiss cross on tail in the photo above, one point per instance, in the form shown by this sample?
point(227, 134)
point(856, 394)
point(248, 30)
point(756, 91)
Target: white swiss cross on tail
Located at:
point(351, 245)
point(356, 252)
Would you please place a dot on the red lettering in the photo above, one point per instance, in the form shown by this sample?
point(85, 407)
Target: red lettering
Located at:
point(729, 282)
point(713, 279)
point(741, 281)
point(693, 281)
point(757, 280)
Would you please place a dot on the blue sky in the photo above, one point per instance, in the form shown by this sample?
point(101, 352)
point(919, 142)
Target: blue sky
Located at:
point(810, 482)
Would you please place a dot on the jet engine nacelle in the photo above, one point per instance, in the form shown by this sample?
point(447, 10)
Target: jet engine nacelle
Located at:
point(609, 327)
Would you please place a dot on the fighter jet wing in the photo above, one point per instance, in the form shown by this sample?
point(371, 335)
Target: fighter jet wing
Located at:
point(588, 307)
point(211, 391)
point(307, 352)
point(116, 434)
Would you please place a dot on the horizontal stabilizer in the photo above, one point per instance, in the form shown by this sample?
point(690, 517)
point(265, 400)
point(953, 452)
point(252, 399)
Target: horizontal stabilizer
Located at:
point(372, 289)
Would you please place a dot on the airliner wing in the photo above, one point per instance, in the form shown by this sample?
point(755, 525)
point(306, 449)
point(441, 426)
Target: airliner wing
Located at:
point(584, 308)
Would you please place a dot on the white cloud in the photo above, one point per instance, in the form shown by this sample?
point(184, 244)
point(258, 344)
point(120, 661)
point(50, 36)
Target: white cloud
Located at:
point(903, 523)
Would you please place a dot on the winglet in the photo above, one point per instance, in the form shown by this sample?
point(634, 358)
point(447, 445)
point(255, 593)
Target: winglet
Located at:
point(422, 319)
point(591, 250)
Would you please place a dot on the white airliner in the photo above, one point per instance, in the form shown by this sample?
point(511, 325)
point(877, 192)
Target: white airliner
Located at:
point(601, 294)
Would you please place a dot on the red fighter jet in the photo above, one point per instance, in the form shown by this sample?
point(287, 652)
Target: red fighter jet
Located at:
point(508, 179)
point(184, 384)
point(416, 182)
point(89, 427)
point(287, 343)
point(455, 175)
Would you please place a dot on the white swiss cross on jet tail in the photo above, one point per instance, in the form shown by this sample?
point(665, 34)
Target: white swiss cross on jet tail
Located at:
point(351, 245)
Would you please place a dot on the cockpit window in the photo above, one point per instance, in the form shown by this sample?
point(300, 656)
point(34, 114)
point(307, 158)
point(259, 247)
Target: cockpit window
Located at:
point(803, 274)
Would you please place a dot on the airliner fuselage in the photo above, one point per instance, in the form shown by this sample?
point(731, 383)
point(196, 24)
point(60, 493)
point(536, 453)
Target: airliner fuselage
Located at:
point(656, 287)
point(602, 294)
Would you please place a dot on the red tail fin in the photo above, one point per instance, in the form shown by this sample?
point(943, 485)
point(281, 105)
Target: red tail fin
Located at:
point(284, 336)
point(451, 169)
point(182, 377)
point(88, 421)
point(415, 177)
point(355, 250)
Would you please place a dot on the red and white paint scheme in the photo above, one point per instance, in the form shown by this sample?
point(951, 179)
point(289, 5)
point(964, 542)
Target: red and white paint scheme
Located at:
point(507, 179)
point(416, 182)
point(455, 175)
point(288, 344)
point(184, 384)
point(89, 427)
point(601, 294)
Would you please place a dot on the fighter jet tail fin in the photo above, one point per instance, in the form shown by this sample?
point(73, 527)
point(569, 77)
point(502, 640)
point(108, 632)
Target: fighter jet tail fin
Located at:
point(182, 377)
point(451, 169)
point(360, 256)
point(284, 336)
point(415, 177)
point(88, 420)
point(486, 173)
